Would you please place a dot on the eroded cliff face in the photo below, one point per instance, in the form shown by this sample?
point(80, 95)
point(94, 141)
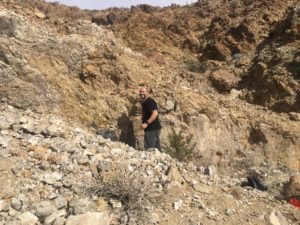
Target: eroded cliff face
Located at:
point(208, 65)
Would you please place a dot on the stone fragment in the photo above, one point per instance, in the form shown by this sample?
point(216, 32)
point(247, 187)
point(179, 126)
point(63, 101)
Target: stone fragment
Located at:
point(211, 171)
point(40, 152)
point(82, 160)
point(8, 24)
point(201, 188)
point(229, 211)
point(81, 206)
point(59, 221)
point(39, 15)
point(60, 202)
point(52, 178)
point(16, 204)
point(276, 218)
point(90, 218)
point(174, 174)
point(4, 205)
point(50, 219)
point(115, 204)
point(4, 141)
point(44, 209)
point(27, 218)
point(12, 212)
point(223, 80)
point(4, 124)
point(169, 105)
point(8, 185)
point(51, 131)
point(29, 128)
point(177, 205)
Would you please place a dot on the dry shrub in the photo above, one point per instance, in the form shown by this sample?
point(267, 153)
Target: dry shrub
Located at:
point(136, 191)
point(180, 146)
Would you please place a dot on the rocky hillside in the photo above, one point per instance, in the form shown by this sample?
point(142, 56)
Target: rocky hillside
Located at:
point(56, 173)
point(225, 72)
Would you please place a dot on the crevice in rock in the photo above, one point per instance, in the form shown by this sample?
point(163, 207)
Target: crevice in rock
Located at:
point(127, 135)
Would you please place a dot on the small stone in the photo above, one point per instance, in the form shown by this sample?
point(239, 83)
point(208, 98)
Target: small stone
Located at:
point(276, 218)
point(50, 219)
point(52, 196)
point(177, 205)
point(117, 152)
point(8, 185)
point(16, 204)
point(115, 204)
point(59, 221)
point(28, 218)
point(82, 160)
point(44, 208)
point(4, 141)
point(229, 212)
point(60, 202)
point(211, 171)
point(154, 218)
point(4, 206)
point(201, 188)
point(52, 178)
point(12, 212)
point(81, 206)
point(52, 131)
point(90, 218)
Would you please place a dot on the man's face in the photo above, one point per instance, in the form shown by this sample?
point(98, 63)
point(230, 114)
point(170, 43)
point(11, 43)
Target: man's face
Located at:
point(143, 93)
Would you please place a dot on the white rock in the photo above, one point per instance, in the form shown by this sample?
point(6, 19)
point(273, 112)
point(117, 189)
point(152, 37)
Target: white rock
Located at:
point(52, 178)
point(4, 141)
point(44, 208)
point(90, 218)
point(50, 219)
point(170, 105)
point(115, 203)
point(4, 206)
point(229, 211)
point(117, 151)
point(28, 218)
point(177, 205)
point(276, 218)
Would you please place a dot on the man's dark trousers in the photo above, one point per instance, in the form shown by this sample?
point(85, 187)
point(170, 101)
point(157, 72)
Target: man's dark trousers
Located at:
point(151, 139)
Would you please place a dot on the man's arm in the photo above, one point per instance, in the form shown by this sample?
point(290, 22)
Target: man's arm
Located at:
point(153, 116)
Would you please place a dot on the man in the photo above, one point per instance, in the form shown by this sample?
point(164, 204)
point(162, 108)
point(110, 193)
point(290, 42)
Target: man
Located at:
point(150, 121)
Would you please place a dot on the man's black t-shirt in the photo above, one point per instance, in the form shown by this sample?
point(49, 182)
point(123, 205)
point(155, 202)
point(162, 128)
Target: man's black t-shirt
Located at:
point(147, 108)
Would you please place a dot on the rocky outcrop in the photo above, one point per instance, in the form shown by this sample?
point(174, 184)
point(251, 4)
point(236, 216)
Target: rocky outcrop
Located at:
point(274, 77)
point(72, 176)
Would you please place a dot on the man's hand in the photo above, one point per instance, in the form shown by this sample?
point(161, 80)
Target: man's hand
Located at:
point(144, 126)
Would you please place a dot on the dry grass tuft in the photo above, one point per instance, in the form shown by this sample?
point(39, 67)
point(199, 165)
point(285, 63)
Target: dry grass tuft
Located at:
point(136, 191)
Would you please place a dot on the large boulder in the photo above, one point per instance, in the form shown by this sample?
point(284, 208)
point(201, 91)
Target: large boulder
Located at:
point(223, 80)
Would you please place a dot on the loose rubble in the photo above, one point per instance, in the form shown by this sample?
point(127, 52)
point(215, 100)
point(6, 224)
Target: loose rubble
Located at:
point(57, 180)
